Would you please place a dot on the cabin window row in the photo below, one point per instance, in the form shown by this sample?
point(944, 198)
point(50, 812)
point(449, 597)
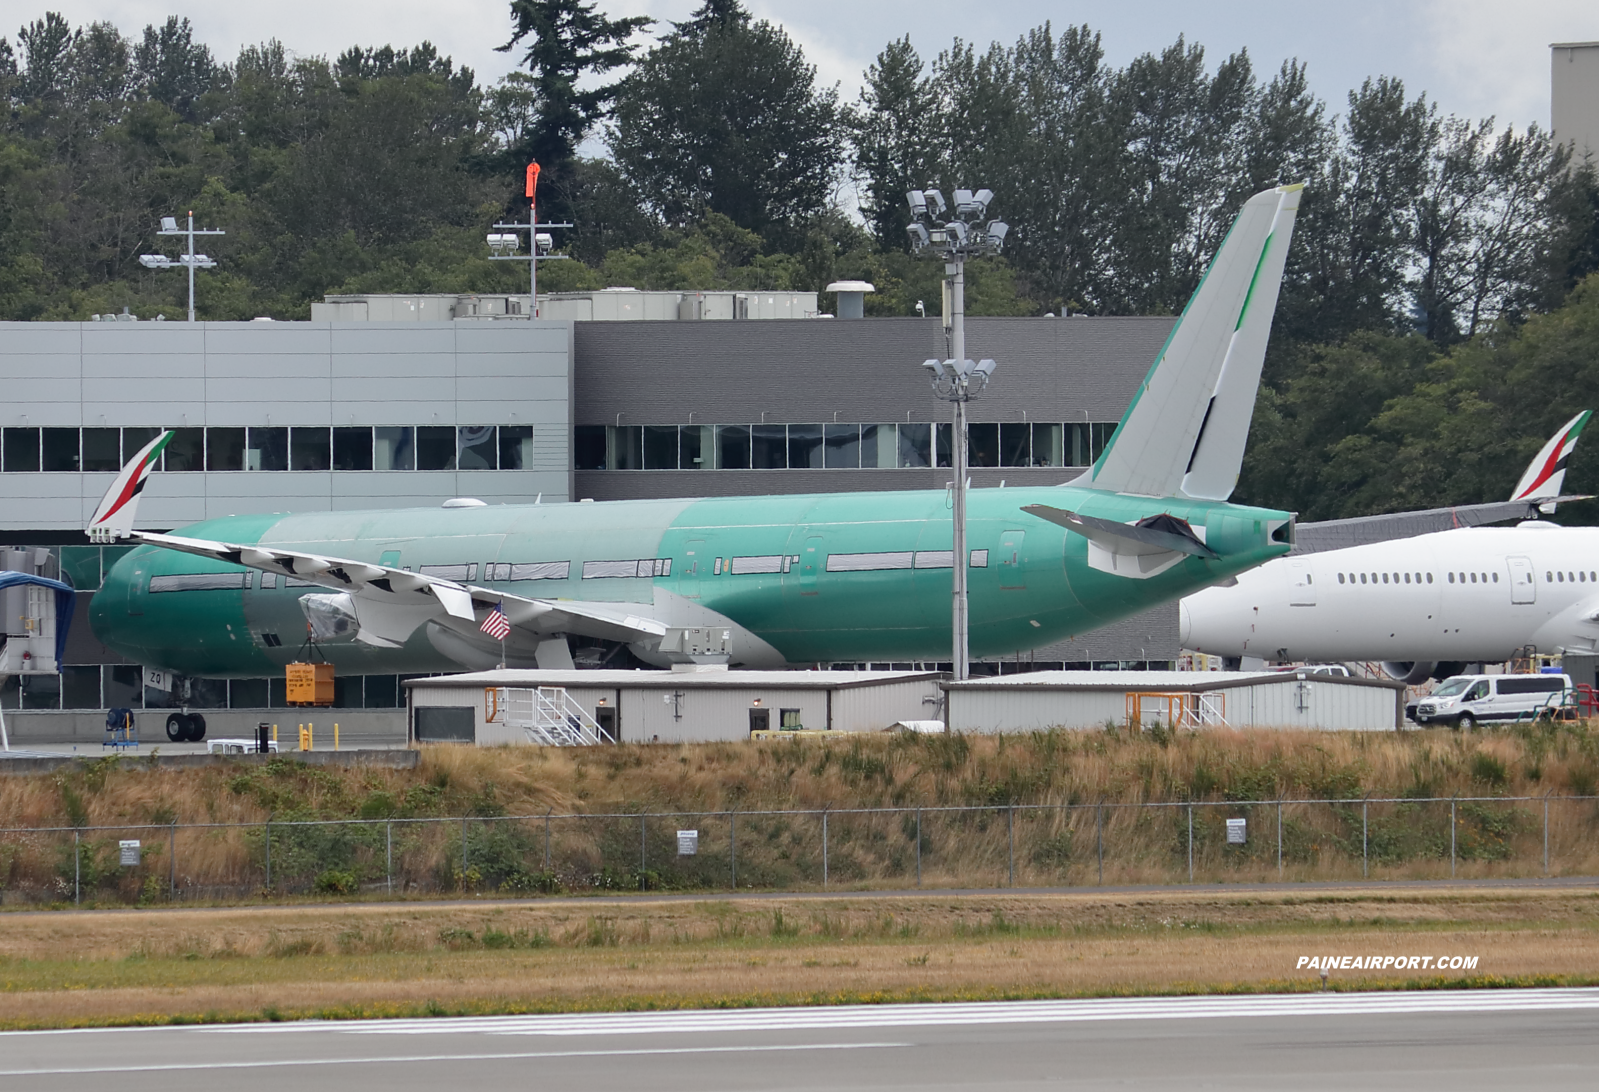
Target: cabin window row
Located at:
point(1386, 578)
point(833, 446)
point(1578, 577)
point(1550, 577)
point(275, 447)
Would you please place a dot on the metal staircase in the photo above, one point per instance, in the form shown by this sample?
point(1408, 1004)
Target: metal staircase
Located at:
point(550, 717)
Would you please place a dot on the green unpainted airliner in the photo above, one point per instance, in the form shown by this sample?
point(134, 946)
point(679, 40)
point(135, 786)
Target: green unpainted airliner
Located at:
point(789, 579)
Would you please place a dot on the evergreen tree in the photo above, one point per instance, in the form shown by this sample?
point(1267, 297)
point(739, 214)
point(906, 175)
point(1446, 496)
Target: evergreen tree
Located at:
point(893, 140)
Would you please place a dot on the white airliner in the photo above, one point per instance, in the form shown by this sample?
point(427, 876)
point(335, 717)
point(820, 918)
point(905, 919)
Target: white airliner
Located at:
point(1423, 606)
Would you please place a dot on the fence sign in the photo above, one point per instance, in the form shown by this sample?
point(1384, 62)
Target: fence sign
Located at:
point(688, 843)
point(1236, 830)
point(130, 852)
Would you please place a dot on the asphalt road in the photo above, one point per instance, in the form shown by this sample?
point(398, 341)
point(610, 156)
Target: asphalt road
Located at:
point(1411, 1041)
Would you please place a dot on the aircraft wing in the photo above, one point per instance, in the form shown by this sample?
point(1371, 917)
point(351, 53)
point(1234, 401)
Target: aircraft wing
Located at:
point(1337, 534)
point(383, 606)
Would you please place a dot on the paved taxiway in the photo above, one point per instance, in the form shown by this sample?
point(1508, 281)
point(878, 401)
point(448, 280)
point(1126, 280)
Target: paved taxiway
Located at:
point(1548, 1039)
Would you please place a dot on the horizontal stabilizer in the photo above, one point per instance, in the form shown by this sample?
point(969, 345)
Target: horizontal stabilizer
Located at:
point(1154, 534)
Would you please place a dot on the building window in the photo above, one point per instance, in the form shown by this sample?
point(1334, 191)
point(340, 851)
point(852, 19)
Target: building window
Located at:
point(732, 447)
point(982, 448)
point(805, 447)
point(660, 447)
point(768, 447)
point(476, 448)
point(310, 449)
point(267, 449)
point(19, 450)
point(60, 449)
point(135, 438)
point(352, 448)
point(186, 449)
point(1016, 445)
point(435, 447)
point(841, 447)
point(102, 449)
point(516, 447)
point(588, 447)
point(394, 448)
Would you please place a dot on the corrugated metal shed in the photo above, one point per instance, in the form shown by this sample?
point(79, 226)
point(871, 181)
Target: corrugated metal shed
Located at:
point(1092, 699)
point(694, 706)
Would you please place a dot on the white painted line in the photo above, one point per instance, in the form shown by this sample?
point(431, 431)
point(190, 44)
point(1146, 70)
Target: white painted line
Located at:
point(933, 1015)
point(408, 1059)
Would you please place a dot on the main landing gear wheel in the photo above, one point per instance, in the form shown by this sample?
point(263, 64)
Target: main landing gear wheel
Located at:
point(185, 727)
point(196, 727)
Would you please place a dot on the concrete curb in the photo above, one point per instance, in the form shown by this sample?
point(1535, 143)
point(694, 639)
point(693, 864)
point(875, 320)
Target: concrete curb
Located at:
point(389, 759)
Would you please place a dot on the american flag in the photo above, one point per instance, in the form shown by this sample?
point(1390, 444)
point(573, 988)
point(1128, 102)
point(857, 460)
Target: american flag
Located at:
point(495, 624)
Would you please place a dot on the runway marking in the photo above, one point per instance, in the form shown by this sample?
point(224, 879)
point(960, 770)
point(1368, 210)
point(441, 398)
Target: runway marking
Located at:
point(933, 1014)
point(407, 1059)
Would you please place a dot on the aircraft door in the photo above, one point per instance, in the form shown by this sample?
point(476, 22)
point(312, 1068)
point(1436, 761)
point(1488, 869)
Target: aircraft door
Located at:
point(812, 558)
point(1301, 585)
point(688, 576)
point(1010, 559)
point(1523, 585)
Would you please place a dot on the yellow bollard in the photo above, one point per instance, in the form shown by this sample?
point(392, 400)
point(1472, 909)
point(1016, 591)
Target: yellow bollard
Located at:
point(305, 739)
point(274, 733)
point(310, 737)
point(335, 735)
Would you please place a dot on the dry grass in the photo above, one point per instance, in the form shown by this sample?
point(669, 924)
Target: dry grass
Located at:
point(159, 966)
point(1051, 848)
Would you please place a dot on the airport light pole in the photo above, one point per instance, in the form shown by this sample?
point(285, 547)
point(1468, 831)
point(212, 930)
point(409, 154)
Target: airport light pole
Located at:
point(503, 247)
point(190, 260)
point(954, 236)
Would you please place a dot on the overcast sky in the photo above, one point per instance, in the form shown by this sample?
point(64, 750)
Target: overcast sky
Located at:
point(1474, 57)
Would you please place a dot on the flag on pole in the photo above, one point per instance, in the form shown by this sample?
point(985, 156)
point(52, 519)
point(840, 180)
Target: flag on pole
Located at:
point(495, 624)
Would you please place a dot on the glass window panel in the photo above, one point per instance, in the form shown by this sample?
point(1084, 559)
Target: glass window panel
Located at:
point(946, 450)
point(135, 438)
point(477, 448)
point(660, 447)
point(41, 691)
point(435, 447)
point(10, 691)
point(186, 449)
point(1048, 445)
point(768, 447)
point(732, 447)
point(352, 448)
point(382, 691)
point(588, 447)
point(309, 449)
point(277, 693)
point(1077, 446)
point(208, 693)
point(394, 447)
point(346, 694)
point(247, 694)
point(121, 686)
point(102, 449)
point(80, 688)
point(627, 447)
point(842, 447)
point(695, 446)
point(21, 450)
point(869, 442)
point(804, 447)
point(267, 449)
point(1015, 445)
point(982, 445)
point(915, 445)
point(60, 449)
point(80, 566)
point(516, 447)
point(1101, 433)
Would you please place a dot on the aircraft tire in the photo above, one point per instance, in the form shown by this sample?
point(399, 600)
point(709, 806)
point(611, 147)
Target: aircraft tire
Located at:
point(1467, 722)
point(177, 727)
point(196, 728)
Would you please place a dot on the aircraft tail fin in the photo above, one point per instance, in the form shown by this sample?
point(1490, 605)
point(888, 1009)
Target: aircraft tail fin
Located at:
point(1184, 433)
point(114, 518)
point(1547, 471)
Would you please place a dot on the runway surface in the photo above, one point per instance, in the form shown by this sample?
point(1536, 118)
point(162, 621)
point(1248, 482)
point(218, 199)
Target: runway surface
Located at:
point(1412, 1041)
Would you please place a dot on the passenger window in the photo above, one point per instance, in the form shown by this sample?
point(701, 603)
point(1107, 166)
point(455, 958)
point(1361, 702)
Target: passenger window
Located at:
point(1496, 578)
point(1385, 578)
point(1473, 578)
point(1548, 578)
point(1407, 578)
point(1451, 578)
point(1362, 578)
point(1560, 578)
point(1340, 578)
point(1429, 578)
point(1308, 579)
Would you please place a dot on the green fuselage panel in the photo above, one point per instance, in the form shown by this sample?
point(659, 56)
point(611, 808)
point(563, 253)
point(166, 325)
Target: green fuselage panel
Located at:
point(761, 562)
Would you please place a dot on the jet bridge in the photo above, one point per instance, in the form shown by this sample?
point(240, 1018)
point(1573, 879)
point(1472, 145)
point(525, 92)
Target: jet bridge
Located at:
point(37, 615)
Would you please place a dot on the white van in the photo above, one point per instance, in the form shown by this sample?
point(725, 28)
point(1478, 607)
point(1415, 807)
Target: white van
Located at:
point(1466, 700)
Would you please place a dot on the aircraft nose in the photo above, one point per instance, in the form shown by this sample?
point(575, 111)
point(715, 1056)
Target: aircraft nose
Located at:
point(109, 611)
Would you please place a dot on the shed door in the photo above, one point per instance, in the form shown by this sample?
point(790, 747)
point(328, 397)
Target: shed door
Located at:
point(1523, 587)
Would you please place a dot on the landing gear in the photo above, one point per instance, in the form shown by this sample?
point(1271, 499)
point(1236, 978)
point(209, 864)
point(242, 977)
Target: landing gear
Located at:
point(185, 727)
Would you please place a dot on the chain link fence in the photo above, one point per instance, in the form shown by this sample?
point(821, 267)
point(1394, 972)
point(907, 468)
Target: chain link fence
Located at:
point(1021, 846)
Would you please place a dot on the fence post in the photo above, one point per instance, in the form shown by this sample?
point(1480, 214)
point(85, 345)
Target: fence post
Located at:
point(1451, 839)
point(1279, 840)
point(388, 854)
point(642, 885)
point(1365, 867)
point(1546, 835)
point(1010, 839)
point(918, 847)
point(1099, 830)
point(547, 838)
point(732, 845)
point(172, 863)
point(77, 871)
point(824, 848)
point(1190, 843)
point(269, 854)
point(463, 853)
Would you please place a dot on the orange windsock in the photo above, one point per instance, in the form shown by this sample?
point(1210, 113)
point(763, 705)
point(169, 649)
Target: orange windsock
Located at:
point(532, 180)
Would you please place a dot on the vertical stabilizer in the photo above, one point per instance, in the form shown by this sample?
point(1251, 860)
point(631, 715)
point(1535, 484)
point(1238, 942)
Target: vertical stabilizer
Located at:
point(114, 518)
point(1184, 433)
point(1546, 474)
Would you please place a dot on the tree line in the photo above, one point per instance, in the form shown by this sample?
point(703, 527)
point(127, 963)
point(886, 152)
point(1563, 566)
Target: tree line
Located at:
point(1430, 249)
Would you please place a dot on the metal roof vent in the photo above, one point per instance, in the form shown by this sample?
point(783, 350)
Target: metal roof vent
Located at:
point(851, 297)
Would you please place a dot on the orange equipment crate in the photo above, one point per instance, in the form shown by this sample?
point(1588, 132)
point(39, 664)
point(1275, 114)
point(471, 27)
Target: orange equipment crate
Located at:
point(308, 684)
